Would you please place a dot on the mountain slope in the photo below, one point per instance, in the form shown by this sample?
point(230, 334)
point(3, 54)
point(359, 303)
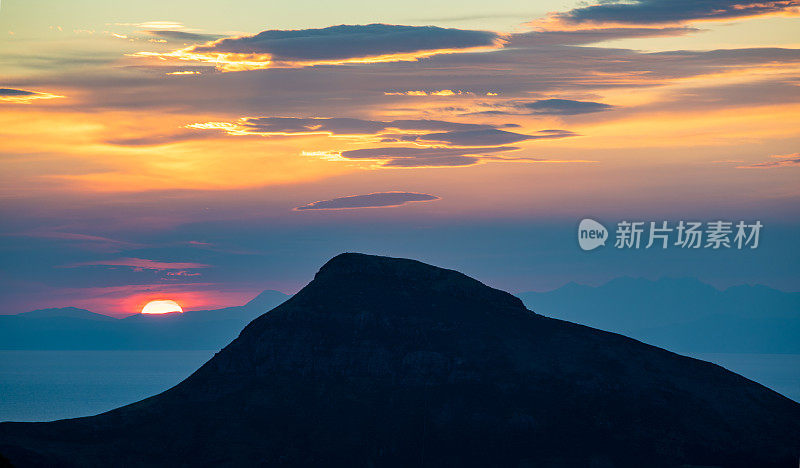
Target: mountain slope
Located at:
point(391, 362)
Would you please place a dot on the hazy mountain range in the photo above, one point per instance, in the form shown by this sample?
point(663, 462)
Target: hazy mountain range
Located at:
point(678, 314)
point(71, 328)
point(681, 314)
point(392, 362)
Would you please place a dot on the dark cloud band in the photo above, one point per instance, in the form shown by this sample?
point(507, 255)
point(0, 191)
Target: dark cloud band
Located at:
point(10, 92)
point(675, 11)
point(23, 96)
point(351, 41)
point(370, 43)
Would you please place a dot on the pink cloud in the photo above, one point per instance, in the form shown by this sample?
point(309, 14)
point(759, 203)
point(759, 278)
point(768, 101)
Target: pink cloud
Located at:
point(181, 273)
point(139, 264)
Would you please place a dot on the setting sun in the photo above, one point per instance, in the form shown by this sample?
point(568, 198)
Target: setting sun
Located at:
point(161, 307)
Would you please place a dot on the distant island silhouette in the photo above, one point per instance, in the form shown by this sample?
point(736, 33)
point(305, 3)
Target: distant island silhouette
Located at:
point(681, 314)
point(392, 362)
point(70, 328)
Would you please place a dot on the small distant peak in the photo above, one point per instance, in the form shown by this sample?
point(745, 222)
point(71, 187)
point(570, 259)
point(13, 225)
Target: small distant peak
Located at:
point(268, 297)
point(68, 312)
point(573, 286)
point(628, 281)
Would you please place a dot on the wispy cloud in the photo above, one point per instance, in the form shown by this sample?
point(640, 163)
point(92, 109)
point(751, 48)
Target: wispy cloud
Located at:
point(87, 242)
point(785, 160)
point(162, 139)
point(182, 36)
point(417, 157)
point(185, 72)
point(491, 137)
point(439, 93)
point(154, 25)
point(72, 236)
point(334, 126)
point(439, 143)
point(140, 264)
point(370, 200)
point(423, 157)
point(546, 107)
point(181, 273)
point(453, 133)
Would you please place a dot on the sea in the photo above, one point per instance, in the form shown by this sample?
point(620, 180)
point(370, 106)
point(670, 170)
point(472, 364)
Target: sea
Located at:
point(50, 385)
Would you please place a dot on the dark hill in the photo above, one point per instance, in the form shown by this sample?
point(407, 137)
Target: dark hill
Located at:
point(392, 362)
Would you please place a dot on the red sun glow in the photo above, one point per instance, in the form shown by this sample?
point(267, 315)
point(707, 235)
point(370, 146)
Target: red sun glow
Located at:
point(161, 307)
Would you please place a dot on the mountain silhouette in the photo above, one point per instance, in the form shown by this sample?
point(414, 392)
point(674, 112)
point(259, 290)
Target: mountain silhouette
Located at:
point(391, 362)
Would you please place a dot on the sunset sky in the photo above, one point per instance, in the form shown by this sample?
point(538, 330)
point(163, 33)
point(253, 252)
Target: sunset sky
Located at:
point(204, 151)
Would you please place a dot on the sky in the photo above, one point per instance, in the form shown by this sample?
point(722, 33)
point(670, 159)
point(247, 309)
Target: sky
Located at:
point(204, 151)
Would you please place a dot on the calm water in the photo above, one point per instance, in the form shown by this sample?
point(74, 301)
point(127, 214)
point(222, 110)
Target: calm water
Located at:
point(48, 385)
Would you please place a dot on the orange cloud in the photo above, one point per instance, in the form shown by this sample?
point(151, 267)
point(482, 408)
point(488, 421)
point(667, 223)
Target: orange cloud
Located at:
point(185, 72)
point(441, 92)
